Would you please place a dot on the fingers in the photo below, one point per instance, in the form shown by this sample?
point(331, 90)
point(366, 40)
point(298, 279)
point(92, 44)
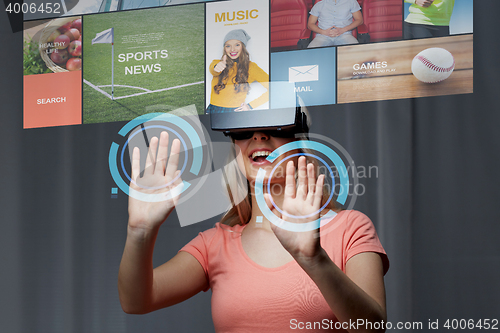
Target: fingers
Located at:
point(302, 178)
point(156, 163)
point(333, 33)
point(136, 163)
point(161, 158)
point(318, 193)
point(221, 65)
point(173, 161)
point(306, 180)
point(309, 188)
point(290, 180)
point(424, 3)
point(311, 179)
point(242, 107)
point(151, 158)
point(314, 187)
point(307, 196)
point(332, 30)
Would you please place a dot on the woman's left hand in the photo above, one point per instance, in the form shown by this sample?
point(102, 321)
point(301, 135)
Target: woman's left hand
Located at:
point(243, 107)
point(303, 200)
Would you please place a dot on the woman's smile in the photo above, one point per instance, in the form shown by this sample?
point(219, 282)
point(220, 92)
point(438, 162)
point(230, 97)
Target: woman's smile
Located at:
point(258, 156)
point(233, 48)
point(252, 154)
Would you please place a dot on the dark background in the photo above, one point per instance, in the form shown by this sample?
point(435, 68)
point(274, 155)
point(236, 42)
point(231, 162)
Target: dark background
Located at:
point(434, 203)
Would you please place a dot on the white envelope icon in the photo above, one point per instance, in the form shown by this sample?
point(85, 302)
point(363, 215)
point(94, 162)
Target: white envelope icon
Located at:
point(303, 73)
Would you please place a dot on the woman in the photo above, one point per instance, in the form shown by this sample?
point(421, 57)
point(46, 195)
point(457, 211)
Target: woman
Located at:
point(263, 278)
point(233, 74)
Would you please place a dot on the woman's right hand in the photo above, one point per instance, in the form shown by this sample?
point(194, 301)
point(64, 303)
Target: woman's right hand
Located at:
point(221, 65)
point(145, 215)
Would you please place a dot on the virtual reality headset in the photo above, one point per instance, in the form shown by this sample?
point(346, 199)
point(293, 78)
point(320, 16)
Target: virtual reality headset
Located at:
point(285, 121)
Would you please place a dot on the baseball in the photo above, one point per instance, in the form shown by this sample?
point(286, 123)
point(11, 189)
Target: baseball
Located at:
point(433, 65)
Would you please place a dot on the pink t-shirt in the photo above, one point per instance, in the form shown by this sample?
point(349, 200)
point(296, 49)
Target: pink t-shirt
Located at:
point(247, 297)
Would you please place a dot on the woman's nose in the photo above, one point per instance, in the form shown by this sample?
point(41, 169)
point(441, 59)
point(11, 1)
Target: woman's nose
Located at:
point(260, 136)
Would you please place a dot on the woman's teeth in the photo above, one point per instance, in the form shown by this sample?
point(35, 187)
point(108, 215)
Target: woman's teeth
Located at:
point(260, 154)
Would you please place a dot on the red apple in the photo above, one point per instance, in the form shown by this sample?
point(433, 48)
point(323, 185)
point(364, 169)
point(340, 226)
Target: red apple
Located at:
point(53, 36)
point(59, 56)
point(65, 27)
point(80, 39)
point(61, 42)
point(73, 34)
point(75, 48)
point(74, 64)
point(77, 24)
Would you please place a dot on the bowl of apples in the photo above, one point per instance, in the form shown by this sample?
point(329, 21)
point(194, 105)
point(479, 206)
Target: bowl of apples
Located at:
point(61, 44)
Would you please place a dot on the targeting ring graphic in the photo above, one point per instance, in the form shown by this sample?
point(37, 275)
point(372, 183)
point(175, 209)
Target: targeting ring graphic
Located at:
point(311, 145)
point(272, 173)
point(169, 119)
point(132, 136)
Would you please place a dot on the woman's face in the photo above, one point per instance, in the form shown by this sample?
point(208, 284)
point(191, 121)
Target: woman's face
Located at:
point(233, 48)
point(251, 155)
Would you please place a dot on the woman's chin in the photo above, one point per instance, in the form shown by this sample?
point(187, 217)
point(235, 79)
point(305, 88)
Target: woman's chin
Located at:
point(279, 173)
point(261, 163)
point(276, 179)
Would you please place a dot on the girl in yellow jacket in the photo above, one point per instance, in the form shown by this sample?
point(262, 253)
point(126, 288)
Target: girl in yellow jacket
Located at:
point(233, 74)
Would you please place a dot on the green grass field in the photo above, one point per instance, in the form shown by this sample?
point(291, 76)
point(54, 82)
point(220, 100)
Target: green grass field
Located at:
point(178, 29)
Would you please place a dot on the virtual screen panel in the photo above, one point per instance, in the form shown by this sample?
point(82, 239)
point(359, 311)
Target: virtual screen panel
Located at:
point(115, 66)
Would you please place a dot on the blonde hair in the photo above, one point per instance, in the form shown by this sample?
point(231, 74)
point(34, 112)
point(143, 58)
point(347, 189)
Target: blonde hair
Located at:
point(238, 190)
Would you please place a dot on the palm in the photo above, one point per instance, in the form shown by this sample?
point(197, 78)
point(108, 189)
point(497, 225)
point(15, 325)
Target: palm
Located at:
point(158, 180)
point(303, 200)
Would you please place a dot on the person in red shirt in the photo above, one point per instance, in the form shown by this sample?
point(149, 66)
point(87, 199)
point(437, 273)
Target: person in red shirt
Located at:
point(263, 277)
